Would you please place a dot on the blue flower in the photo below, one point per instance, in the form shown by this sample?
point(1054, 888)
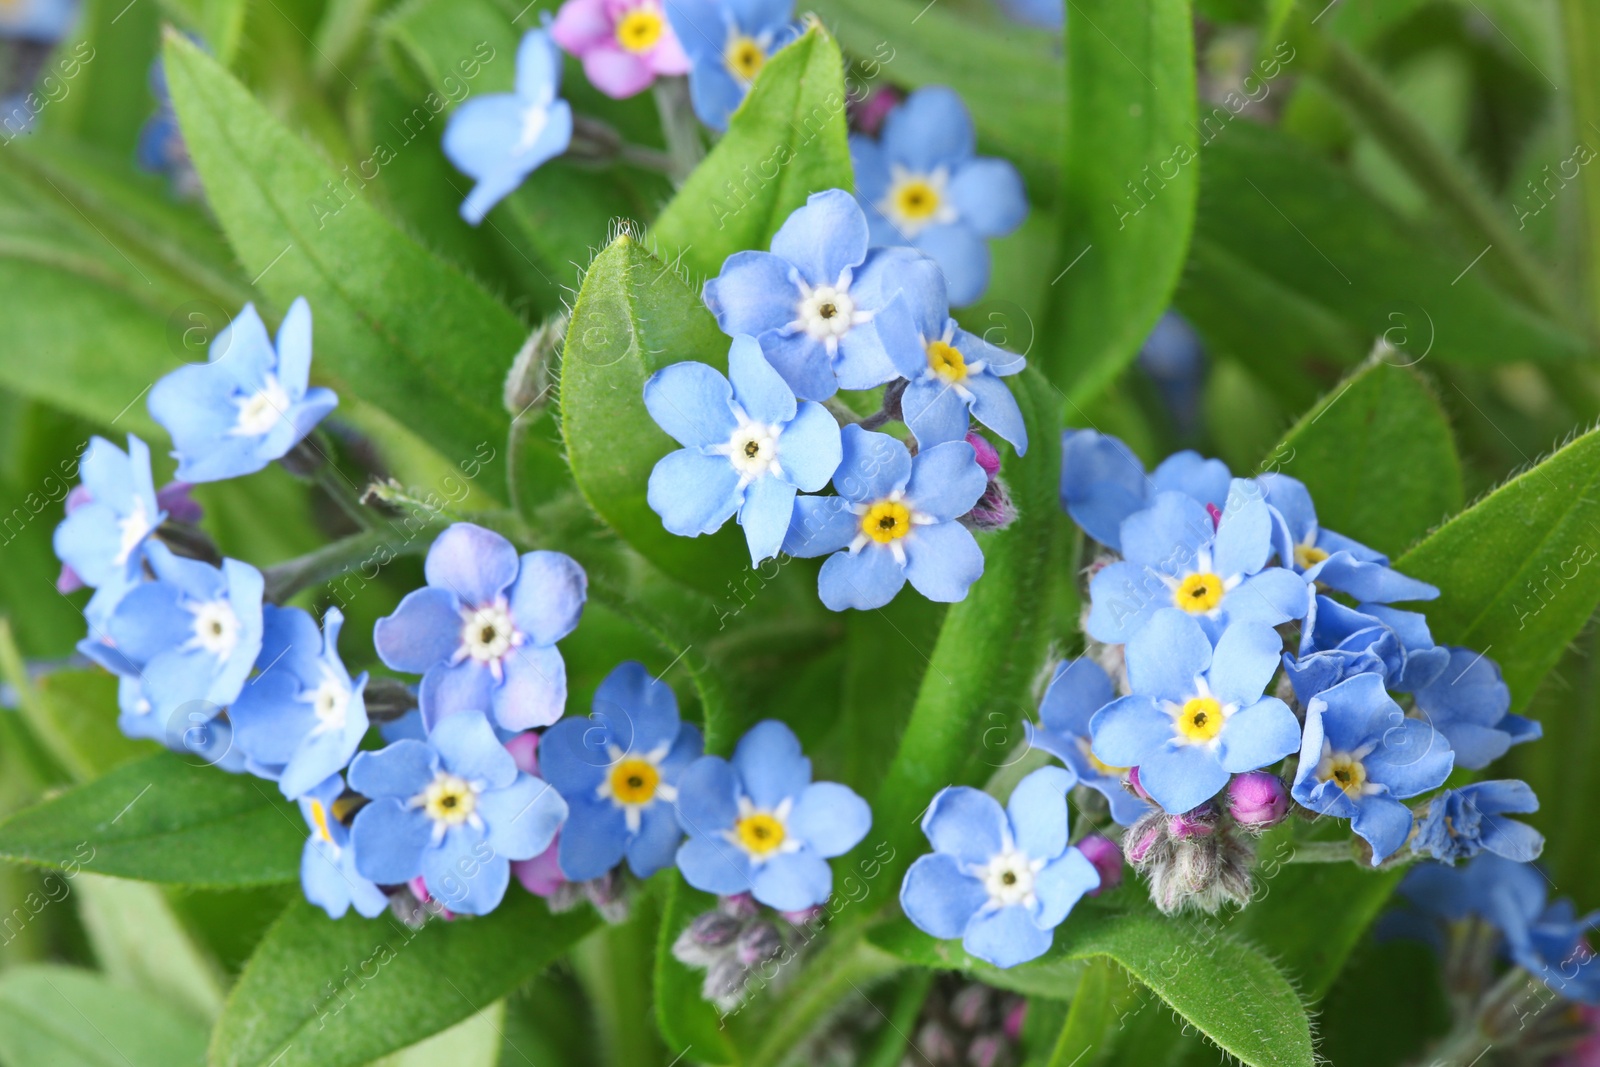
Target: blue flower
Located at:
point(748, 447)
point(1460, 823)
point(1079, 689)
point(1046, 14)
point(302, 717)
point(1103, 482)
point(161, 148)
point(1361, 756)
point(328, 865)
point(482, 632)
point(192, 634)
point(1000, 879)
point(618, 771)
point(1178, 556)
point(198, 731)
point(1196, 714)
point(728, 42)
point(893, 520)
point(759, 824)
point(1326, 558)
point(246, 407)
point(499, 139)
point(1175, 360)
point(1468, 702)
point(1339, 642)
point(46, 21)
point(102, 538)
point(455, 810)
point(923, 185)
point(817, 303)
point(949, 372)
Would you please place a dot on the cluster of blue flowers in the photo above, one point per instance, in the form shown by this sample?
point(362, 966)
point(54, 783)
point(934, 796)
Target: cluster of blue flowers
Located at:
point(825, 311)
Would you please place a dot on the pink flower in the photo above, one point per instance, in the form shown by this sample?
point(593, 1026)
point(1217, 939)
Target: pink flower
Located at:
point(541, 875)
point(624, 44)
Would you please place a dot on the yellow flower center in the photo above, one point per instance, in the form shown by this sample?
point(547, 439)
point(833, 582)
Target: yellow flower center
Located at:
point(916, 199)
point(449, 799)
point(1100, 765)
point(1308, 556)
point(1348, 772)
point(319, 818)
point(945, 360)
point(760, 833)
point(1198, 593)
point(634, 781)
point(1200, 720)
point(885, 521)
point(639, 30)
point(744, 57)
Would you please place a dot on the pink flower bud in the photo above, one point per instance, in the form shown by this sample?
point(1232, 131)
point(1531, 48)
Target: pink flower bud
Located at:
point(68, 581)
point(1257, 800)
point(419, 889)
point(988, 456)
point(524, 749)
point(1018, 1013)
point(174, 499)
point(1216, 515)
point(1133, 783)
point(541, 875)
point(1141, 848)
point(1201, 822)
point(1107, 859)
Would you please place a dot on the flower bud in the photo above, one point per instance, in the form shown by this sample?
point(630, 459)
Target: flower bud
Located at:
point(989, 1050)
point(988, 455)
point(1257, 801)
point(1133, 784)
point(740, 905)
point(713, 929)
point(524, 750)
point(528, 381)
point(936, 1043)
point(757, 943)
point(1107, 859)
point(1200, 822)
point(969, 1006)
point(1017, 1014)
point(174, 499)
point(1145, 838)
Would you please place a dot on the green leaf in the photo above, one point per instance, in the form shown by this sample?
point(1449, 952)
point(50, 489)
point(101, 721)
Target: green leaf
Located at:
point(476, 1042)
point(793, 124)
point(1225, 988)
point(164, 819)
point(634, 315)
point(1093, 1003)
point(73, 713)
point(66, 1017)
point(1378, 457)
point(1515, 570)
point(684, 1018)
point(407, 331)
point(1130, 119)
point(140, 944)
point(337, 994)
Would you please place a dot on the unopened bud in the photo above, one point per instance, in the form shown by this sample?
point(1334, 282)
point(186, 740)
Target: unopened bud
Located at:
point(758, 943)
point(1257, 801)
point(1107, 859)
point(528, 381)
point(969, 1006)
point(740, 905)
point(988, 455)
point(989, 1050)
point(1134, 784)
point(1145, 838)
point(174, 498)
point(936, 1043)
point(1199, 822)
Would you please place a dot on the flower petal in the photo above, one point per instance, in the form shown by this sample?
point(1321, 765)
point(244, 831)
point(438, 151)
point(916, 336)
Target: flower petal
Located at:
point(1257, 736)
point(1006, 937)
point(1129, 729)
point(473, 563)
point(966, 823)
point(692, 402)
point(424, 630)
point(820, 524)
point(534, 692)
point(1245, 660)
point(693, 493)
point(770, 764)
point(1038, 812)
point(830, 818)
point(989, 195)
point(868, 579)
point(1167, 654)
point(809, 448)
point(389, 839)
point(872, 465)
point(768, 507)
point(791, 881)
point(963, 258)
point(754, 293)
point(942, 561)
point(712, 865)
point(931, 129)
point(1079, 688)
point(756, 386)
point(939, 897)
point(548, 596)
point(523, 817)
point(946, 480)
point(467, 746)
point(823, 238)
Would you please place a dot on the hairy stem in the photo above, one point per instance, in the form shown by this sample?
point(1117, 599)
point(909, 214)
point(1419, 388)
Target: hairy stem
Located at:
point(286, 579)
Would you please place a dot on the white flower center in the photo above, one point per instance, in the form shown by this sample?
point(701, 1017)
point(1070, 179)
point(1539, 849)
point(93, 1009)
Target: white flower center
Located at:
point(916, 201)
point(330, 702)
point(1008, 877)
point(753, 450)
point(132, 529)
point(258, 414)
point(488, 634)
point(449, 800)
point(827, 311)
point(216, 628)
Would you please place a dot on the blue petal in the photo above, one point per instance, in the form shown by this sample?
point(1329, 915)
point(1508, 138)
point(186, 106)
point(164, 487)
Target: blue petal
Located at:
point(534, 692)
point(291, 644)
point(966, 823)
point(693, 403)
point(389, 839)
point(934, 412)
point(712, 865)
point(994, 405)
point(1274, 596)
point(1258, 735)
point(1122, 597)
point(989, 195)
point(459, 875)
point(644, 708)
point(1182, 778)
point(830, 818)
point(756, 386)
point(809, 448)
point(754, 293)
point(1061, 885)
point(523, 818)
point(1038, 812)
point(478, 137)
point(821, 524)
point(1168, 533)
point(1244, 536)
point(1290, 498)
point(802, 362)
point(864, 359)
point(467, 746)
point(538, 66)
point(548, 596)
point(867, 579)
point(1368, 581)
point(656, 843)
point(790, 881)
point(708, 792)
point(1102, 483)
point(871, 169)
point(1129, 729)
point(475, 564)
point(931, 129)
point(1384, 822)
point(914, 280)
point(963, 258)
point(693, 493)
point(1006, 937)
point(768, 507)
point(1411, 758)
point(453, 689)
point(939, 897)
point(400, 770)
point(1469, 690)
point(1354, 711)
point(946, 480)
point(942, 561)
point(424, 630)
point(1167, 654)
point(713, 91)
point(1245, 660)
point(1079, 688)
point(824, 238)
point(872, 465)
point(770, 764)
point(270, 721)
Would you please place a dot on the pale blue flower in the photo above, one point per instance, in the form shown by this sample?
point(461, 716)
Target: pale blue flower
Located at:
point(1103, 482)
point(103, 536)
point(1080, 688)
point(728, 42)
point(1460, 823)
point(328, 872)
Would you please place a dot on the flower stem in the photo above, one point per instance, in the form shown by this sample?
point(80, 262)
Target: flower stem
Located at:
point(685, 144)
point(286, 579)
point(843, 967)
point(595, 141)
point(1322, 852)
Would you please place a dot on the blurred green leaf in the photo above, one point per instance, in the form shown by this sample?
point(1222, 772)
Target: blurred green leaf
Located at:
point(1378, 457)
point(164, 819)
point(793, 124)
point(683, 1017)
point(73, 713)
point(474, 1042)
point(406, 330)
point(1516, 571)
point(1125, 220)
point(67, 1017)
point(340, 993)
point(1227, 989)
point(140, 944)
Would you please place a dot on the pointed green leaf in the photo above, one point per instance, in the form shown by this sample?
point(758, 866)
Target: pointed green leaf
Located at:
point(1517, 570)
point(338, 994)
point(167, 818)
point(140, 944)
point(67, 1017)
point(787, 140)
point(407, 331)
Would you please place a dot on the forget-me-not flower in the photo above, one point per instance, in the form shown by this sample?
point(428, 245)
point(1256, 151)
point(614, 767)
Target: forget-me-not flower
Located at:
point(1321, 556)
point(728, 42)
point(1046, 14)
point(923, 184)
point(1178, 556)
point(949, 372)
point(1460, 823)
point(1339, 642)
point(819, 303)
point(618, 772)
point(483, 631)
point(193, 633)
point(1103, 482)
point(624, 44)
point(115, 511)
point(454, 809)
point(328, 872)
point(893, 521)
point(748, 448)
point(1360, 756)
point(302, 718)
point(1469, 703)
point(1080, 688)
point(1002, 880)
point(1196, 714)
point(758, 824)
point(199, 732)
point(499, 139)
point(249, 405)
